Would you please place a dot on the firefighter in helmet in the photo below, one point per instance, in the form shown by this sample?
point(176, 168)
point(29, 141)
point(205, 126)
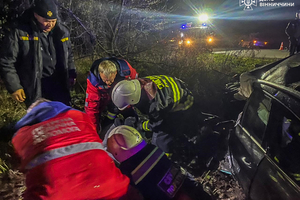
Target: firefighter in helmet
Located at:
point(149, 169)
point(164, 100)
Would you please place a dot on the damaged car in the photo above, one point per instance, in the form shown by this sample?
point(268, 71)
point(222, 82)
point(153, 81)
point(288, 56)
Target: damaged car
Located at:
point(264, 147)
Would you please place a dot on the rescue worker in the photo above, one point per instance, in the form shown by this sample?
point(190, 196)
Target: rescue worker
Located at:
point(104, 72)
point(164, 100)
point(149, 169)
point(293, 32)
point(36, 57)
point(63, 156)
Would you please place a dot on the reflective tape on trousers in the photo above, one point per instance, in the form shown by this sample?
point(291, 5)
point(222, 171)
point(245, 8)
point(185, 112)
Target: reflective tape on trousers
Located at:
point(146, 165)
point(63, 151)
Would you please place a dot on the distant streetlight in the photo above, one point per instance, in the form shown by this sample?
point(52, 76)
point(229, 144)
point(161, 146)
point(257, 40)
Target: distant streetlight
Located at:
point(203, 17)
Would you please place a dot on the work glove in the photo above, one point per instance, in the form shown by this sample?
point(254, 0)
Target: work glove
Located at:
point(118, 122)
point(137, 124)
point(131, 121)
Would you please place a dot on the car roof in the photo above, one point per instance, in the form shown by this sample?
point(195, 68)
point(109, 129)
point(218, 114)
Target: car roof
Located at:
point(281, 80)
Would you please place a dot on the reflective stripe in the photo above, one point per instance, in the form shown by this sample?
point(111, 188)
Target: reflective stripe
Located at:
point(24, 38)
point(111, 115)
point(65, 39)
point(63, 151)
point(86, 104)
point(176, 90)
point(146, 165)
point(86, 95)
point(145, 125)
point(184, 106)
point(176, 93)
point(28, 38)
point(296, 176)
point(189, 102)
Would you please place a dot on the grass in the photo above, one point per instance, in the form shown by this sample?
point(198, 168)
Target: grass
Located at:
point(10, 111)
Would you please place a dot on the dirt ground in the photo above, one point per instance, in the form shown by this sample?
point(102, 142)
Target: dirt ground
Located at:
point(204, 161)
point(219, 185)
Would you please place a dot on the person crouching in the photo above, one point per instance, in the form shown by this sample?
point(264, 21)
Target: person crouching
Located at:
point(149, 169)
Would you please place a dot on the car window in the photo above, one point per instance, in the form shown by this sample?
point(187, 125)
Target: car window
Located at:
point(287, 152)
point(256, 115)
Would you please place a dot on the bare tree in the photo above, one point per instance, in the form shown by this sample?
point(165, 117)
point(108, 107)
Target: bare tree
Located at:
point(120, 27)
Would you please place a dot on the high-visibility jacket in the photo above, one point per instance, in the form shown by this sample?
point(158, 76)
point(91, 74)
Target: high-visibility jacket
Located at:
point(63, 156)
point(162, 95)
point(97, 92)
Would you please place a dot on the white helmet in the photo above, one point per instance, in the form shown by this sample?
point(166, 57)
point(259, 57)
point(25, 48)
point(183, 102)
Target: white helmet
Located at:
point(126, 92)
point(124, 141)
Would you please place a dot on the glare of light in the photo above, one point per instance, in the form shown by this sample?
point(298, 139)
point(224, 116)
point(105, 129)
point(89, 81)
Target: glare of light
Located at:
point(266, 43)
point(188, 42)
point(180, 42)
point(254, 41)
point(210, 39)
point(181, 34)
point(242, 40)
point(183, 26)
point(203, 17)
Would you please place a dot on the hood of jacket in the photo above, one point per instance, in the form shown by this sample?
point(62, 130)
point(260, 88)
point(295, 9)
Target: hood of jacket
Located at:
point(42, 112)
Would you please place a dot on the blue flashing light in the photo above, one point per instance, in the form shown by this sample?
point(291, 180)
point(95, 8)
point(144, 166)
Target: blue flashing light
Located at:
point(204, 24)
point(183, 26)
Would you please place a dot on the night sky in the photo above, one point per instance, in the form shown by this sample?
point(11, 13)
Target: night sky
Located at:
point(231, 20)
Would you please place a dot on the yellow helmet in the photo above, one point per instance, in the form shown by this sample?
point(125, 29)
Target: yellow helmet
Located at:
point(124, 141)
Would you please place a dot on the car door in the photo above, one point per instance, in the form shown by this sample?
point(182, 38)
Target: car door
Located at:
point(278, 174)
point(245, 142)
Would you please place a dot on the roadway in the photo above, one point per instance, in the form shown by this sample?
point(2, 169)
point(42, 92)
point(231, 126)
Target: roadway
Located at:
point(258, 53)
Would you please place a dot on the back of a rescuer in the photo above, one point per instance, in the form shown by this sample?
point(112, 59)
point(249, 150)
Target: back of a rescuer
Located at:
point(63, 156)
point(149, 169)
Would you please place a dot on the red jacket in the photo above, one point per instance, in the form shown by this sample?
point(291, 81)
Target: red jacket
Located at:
point(97, 92)
point(64, 158)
